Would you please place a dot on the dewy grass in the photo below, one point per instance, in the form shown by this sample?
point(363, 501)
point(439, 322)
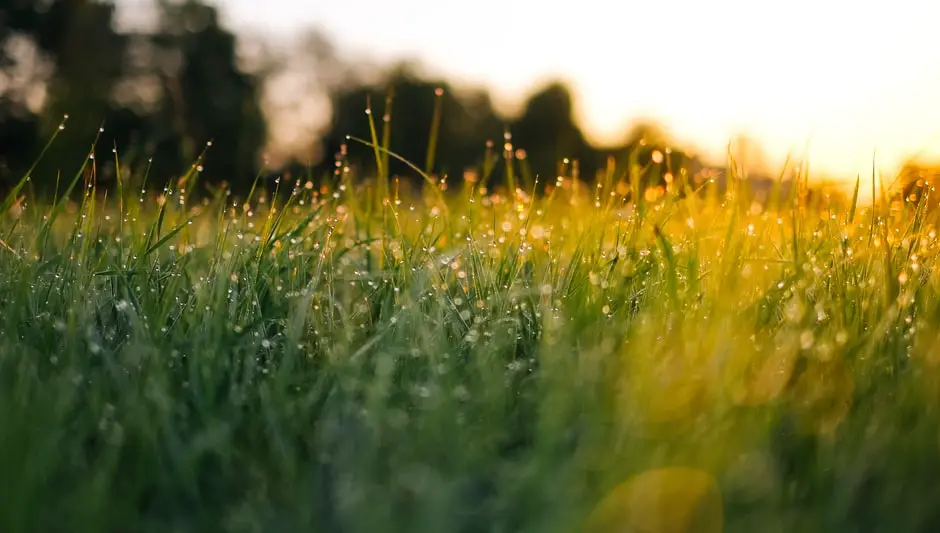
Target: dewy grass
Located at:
point(329, 358)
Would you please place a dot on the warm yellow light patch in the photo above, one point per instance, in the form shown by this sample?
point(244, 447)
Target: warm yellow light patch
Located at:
point(756, 378)
point(668, 500)
point(822, 396)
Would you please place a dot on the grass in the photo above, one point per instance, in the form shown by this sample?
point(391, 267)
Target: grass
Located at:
point(326, 357)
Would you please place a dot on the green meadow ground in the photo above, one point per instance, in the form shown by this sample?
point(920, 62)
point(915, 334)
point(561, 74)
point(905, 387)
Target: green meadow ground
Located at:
point(341, 358)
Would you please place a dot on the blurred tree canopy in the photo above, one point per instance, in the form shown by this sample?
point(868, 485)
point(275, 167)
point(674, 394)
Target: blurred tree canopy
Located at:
point(406, 103)
point(164, 91)
point(161, 93)
point(540, 138)
point(547, 132)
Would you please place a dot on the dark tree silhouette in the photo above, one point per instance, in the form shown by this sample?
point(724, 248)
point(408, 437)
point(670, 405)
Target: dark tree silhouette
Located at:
point(78, 40)
point(205, 96)
point(467, 122)
point(162, 94)
point(548, 132)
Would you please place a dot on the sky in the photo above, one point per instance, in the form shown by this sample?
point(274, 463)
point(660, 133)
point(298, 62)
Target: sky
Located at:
point(831, 81)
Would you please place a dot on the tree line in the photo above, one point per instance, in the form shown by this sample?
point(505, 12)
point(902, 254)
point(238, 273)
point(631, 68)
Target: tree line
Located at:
point(159, 94)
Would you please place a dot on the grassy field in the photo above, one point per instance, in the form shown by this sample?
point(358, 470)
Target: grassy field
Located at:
point(338, 357)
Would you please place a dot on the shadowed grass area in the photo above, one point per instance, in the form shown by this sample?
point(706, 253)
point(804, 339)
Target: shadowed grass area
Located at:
point(341, 358)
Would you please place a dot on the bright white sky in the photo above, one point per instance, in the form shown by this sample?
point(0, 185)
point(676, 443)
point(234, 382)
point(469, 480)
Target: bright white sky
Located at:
point(844, 76)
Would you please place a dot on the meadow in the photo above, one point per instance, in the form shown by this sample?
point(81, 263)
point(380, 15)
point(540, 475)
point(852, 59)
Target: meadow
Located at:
point(342, 356)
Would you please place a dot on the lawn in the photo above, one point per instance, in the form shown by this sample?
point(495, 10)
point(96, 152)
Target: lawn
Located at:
point(339, 355)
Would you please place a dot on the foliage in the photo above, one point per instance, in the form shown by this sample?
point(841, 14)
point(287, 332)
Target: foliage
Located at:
point(545, 137)
point(164, 92)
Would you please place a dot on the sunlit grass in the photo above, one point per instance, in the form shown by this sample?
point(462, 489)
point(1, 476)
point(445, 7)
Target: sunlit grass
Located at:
point(342, 356)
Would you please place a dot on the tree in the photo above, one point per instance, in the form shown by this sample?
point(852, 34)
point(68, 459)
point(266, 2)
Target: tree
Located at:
point(205, 95)
point(167, 92)
point(71, 58)
point(88, 55)
point(658, 160)
point(548, 132)
point(67, 52)
point(467, 122)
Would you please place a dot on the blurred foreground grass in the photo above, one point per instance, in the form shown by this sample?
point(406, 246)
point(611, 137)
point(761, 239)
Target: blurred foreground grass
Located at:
point(341, 358)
